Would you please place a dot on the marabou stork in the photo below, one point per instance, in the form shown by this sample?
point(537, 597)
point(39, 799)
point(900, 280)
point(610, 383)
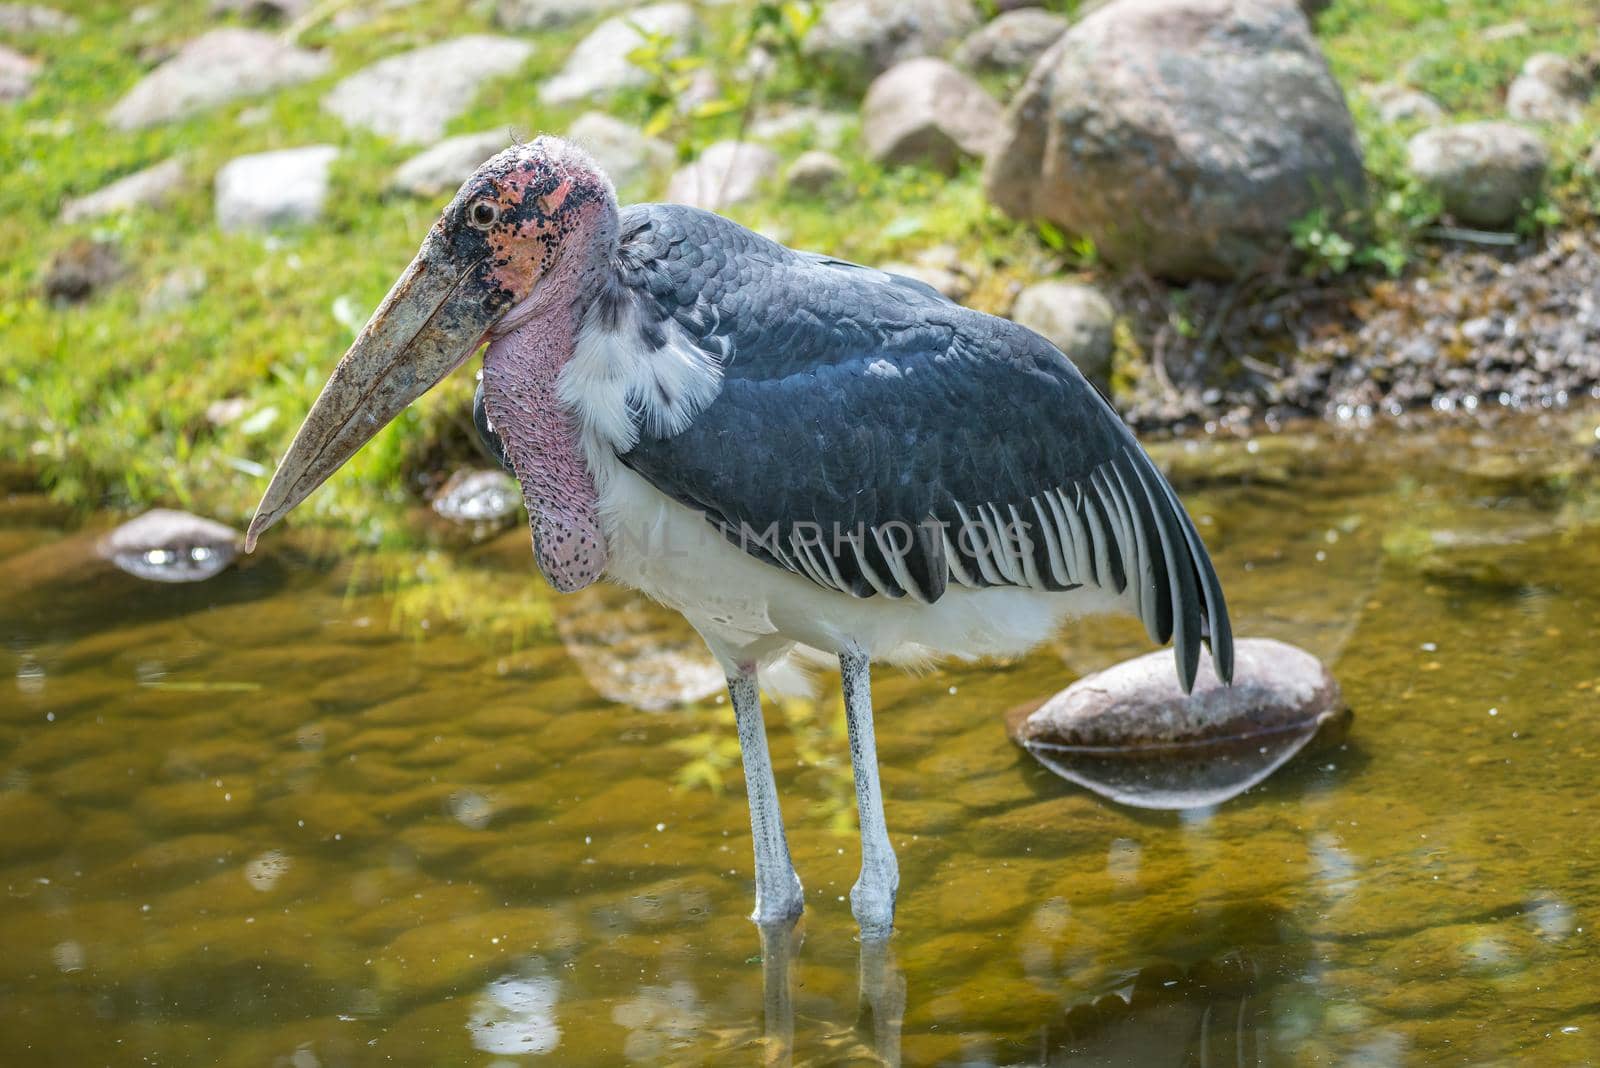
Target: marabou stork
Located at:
point(789, 449)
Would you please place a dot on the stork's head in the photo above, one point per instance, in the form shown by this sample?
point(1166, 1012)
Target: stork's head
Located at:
point(526, 231)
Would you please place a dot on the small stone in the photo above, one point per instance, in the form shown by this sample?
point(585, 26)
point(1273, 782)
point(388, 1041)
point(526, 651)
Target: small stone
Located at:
point(273, 189)
point(175, 289)
point(1012, 42)
point(1551, 89)
point(1483, 171)
point(826, 129)
point(600, 64)
point(414, 95)
point(549, 14)
point(815, 173)
point(228, 410)
point(1076, 319)
point(478, 498)
point(261, 10)
point(728, 172)
point(213, 69)
point(442, 168)
point(17, 72)
point(1131, 734)
point(150, 187)
point(22, 19)
point(1399, 103)
point(860, 39)
point(926, 111)
point(82, 269)
point(164, 545)
point(626, 153)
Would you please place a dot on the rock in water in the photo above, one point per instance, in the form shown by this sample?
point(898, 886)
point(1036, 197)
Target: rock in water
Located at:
point(479, 498)
point(414, 95)
point(1130, 733)
point(1484, 172)
point(1183, 136)
point(212, 69)
point(169, 546)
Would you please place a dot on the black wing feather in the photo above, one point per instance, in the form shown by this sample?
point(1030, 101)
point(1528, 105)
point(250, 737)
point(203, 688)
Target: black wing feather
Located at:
point(860, 402)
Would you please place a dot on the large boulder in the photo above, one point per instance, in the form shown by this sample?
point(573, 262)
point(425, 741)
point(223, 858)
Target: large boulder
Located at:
point(1550, 89)
point(443, 167)
point(1183, 136)
point(213, 69)
point(1012, 42)
point(414, 95)
point(273, 189)
point(150, 187)
point(859, 39)
point(926, 111)
point(626, 153)
point(1484, 172)
point(728, 172)
point(1074, 318)
point(601, 64)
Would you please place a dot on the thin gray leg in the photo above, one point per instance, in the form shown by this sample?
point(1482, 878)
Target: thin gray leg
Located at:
point(872, 898)
point(779, 898)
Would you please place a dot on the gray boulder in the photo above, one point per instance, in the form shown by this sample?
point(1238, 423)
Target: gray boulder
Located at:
point(414, 95)
point(20, 19)
point(1012, 42)
point(212, 69)
point(728, 172)
point(1551, 89)
point(163, 545)
point(1399, 103)
point(1143, 129)
point(624, 152)
point(549, 14)
point(150, 187)
point(926, 111)
point(272, 189)
point(446, 165)
point(1131, 734)
point(815, 173)
point(599, 65)
point(1074, 318)
point(17, 72)
point(860, 39)
point(1483, 171)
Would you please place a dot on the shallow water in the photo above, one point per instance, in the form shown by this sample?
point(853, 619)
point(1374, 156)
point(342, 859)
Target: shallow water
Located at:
point(336, 808)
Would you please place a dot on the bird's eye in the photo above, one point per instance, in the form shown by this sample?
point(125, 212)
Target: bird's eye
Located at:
point(483, 214)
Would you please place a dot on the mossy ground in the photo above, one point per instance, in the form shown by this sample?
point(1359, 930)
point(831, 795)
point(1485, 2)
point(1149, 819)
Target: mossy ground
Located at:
point(106, 401)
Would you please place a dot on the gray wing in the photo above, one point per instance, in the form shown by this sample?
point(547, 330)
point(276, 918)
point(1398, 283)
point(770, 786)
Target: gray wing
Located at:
point(882, 441)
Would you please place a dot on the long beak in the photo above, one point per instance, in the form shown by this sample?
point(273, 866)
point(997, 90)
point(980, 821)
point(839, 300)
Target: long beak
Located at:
point(428, 325)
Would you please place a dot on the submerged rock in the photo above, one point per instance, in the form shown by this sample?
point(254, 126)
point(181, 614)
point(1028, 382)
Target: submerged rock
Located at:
point(479, 498)
point(1130, 733)
point(164, 545)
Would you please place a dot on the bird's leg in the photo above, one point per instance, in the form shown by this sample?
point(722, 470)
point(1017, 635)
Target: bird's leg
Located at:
point(779, 898)
point(872, 898)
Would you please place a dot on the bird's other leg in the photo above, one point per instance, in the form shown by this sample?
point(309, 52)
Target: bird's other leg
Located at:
point(872, 898)
point(779, 898)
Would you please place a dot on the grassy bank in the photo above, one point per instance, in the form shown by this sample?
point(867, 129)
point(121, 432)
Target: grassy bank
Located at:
point(107, 401)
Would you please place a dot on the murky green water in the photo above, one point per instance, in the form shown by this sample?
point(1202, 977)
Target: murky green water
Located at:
point(334, 809)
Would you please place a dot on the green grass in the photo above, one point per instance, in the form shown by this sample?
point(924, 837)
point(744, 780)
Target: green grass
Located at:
point(106, 402)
